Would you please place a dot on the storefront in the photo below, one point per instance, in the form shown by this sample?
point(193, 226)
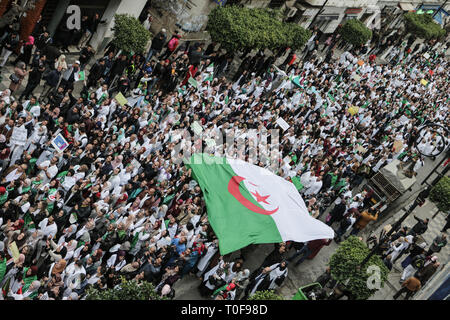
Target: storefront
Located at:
point(329, 19)
point(372, 17)
point(438, 12)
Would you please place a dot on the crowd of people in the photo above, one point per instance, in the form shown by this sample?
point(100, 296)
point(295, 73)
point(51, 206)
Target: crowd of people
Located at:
point(114, 203)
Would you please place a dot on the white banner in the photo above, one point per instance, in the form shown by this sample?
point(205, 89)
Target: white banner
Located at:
point(19, 136)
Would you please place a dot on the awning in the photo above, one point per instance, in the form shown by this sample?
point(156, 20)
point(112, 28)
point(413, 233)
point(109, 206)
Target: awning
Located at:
point(406, 6)
point(328, 17)
point(372, 9)
point(310, 12)
point(353, 10)
point(332, 10)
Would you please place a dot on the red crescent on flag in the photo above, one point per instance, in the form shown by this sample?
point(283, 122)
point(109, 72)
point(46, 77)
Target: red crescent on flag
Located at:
point(233, 188)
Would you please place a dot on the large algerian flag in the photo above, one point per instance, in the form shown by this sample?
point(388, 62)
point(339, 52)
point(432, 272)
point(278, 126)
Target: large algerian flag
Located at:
point(249, 204)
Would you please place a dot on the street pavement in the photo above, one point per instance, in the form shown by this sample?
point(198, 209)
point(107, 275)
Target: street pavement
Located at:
point(309, 270)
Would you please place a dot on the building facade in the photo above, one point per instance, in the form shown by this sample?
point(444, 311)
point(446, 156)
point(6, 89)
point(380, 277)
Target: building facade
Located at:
point(54, 14)
point(191, 16)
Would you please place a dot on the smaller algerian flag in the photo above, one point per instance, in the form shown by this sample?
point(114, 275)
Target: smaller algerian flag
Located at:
point(296, 81)
point(80, 76)
point(193, 82)
point(331, 97)
point(297, 183)
point(210, 77)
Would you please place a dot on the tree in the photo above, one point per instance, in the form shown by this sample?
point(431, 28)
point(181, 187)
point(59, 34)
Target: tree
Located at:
point(266, 295)
point(355, 32)
point(241, 28)
point(440, 194)
point(129, 290)
point(129, 34)
point(423, 26)
point(344, 267)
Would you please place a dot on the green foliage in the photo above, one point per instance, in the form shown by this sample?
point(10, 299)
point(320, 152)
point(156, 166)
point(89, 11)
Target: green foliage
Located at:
point(266, 295)
point(423, 26)
point(344, 263)
point(238, 28)
point(129, 34)
point(129, 290)
point(355, 32)
point(440, 194)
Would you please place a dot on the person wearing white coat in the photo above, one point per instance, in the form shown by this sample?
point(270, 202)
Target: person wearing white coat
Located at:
point(277, 274)
point(213, 279)
point(315, 187)
point(203, 263)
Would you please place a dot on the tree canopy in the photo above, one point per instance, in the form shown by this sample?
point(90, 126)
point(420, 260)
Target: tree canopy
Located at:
point(440, 194)
point(344, 263)
point(236, 28)
point(129, 34)
point(423, 26)
point(128, 290)
point(355, 32)
point(266, 295)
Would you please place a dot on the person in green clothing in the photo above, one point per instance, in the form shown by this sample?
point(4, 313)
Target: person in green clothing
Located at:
point(3, 195)
point(2, 262)
point(29, 275)
point(30, 294)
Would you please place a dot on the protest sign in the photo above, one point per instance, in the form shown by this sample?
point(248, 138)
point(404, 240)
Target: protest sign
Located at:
point(59, 143)
point(19, 136)
point(398, 145)
point(403, 119)
point(14, 251)
point(121, 99)
point(353, 110)
point(283, 124)
point(361, 149)
point(424, 82)
point(196, 127)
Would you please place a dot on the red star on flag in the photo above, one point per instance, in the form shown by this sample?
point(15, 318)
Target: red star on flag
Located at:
point(260, 198)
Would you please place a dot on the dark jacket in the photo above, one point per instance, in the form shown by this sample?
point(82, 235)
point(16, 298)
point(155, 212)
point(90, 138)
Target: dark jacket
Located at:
point(52, 78)
point(196, 57)
point(420, 227)
point(158, 41)
point(9, 43)
point(85, 55)
point(96, 71)
point(51, 52)
point(119, 66)
point(338, 211)
point(35, 76)
point(72, 117)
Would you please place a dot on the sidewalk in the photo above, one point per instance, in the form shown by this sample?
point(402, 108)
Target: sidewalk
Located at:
point(71, 57)
point(434, 229)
